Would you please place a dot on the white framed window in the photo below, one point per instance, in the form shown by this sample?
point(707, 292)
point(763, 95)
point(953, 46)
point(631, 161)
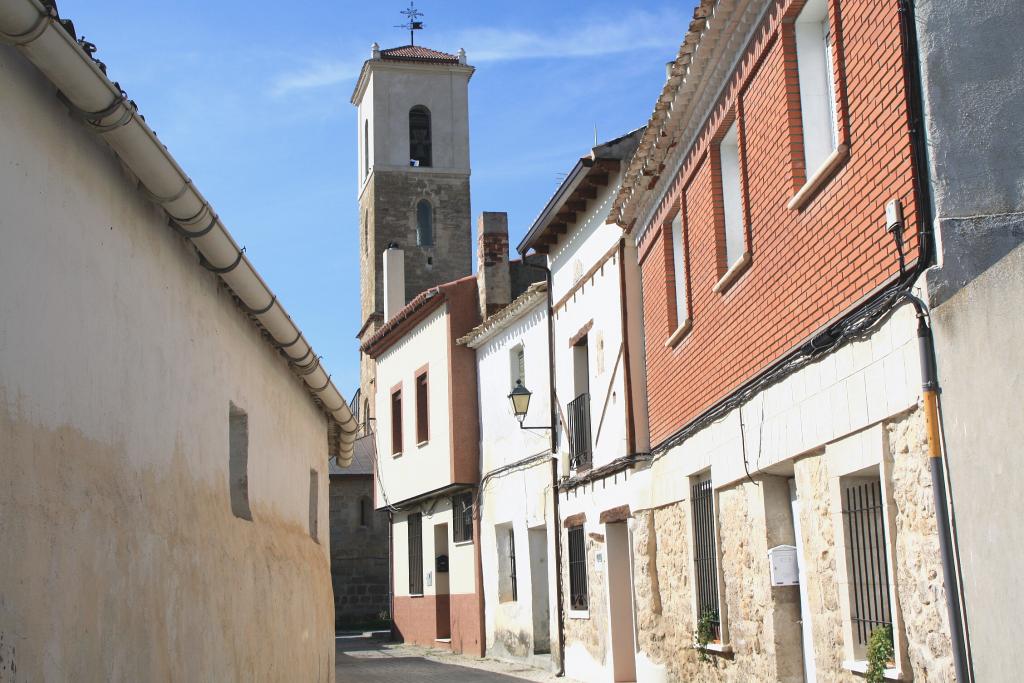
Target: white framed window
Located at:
point(679, 268)
point(817, 84)
point(732, 196)
point(860, 488)
point(517, 365)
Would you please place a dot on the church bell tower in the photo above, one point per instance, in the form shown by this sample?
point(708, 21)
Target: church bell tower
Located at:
point(413, 119)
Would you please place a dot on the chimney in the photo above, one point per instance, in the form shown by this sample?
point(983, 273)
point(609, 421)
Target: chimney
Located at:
point(492, 272)
point(394, 280)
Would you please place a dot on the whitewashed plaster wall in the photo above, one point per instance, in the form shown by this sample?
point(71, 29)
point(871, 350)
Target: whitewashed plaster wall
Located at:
point(421, 467)
point(598, 300)
point(119, 356)
point(461, 556)
point(523, 498)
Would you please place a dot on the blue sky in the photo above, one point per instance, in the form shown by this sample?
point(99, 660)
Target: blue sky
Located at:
point(252, 98)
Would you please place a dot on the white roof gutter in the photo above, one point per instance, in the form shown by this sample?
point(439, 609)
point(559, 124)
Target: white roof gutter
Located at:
point(34, 29)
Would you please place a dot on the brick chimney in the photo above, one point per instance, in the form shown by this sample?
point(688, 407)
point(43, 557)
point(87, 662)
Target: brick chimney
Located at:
point(492, 273)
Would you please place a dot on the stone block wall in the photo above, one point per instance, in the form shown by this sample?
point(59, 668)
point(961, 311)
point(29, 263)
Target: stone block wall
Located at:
point(762, 620)
point(359, 554)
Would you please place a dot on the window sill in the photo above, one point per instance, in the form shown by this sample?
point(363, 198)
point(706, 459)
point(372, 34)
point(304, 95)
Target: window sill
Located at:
point(814, 183)
point(678, 335)
point(579, 614)
point(735, 270)
point(861, 667)
point(459, 544)
point(718, 648)
point(397, 455)
point(421, 444)
point(415, 595)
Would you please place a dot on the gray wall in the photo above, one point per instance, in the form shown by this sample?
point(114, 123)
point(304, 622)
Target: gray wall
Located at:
point(359, 553)
point(972, 58)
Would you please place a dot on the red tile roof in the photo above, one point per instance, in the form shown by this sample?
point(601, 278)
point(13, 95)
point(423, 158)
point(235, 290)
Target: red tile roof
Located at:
point(417, 53)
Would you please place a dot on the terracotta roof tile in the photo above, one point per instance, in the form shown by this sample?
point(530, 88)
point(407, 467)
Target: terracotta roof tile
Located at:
point(417, 53)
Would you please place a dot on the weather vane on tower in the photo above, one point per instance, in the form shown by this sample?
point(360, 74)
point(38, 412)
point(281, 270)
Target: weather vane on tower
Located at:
point(413, 24)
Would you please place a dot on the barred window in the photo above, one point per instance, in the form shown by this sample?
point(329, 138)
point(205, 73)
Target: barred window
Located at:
point(867, 558)
point(579, 597)
point(415, 524)
point(705, 552)
point(512, 563)
point(462, 517)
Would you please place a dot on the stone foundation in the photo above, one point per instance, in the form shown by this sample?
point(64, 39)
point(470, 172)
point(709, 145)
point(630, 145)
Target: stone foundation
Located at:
point(762, 621)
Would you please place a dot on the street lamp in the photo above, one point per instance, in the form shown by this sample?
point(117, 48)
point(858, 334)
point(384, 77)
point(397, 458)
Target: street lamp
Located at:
point(520, 398)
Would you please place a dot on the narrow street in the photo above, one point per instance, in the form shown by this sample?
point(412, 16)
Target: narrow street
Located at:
point(365, 658)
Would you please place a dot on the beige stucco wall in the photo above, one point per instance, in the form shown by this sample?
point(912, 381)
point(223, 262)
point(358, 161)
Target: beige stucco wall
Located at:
point(119, 356)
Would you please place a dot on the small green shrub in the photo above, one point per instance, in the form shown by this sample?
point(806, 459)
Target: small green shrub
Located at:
point(705, 633)
point(880, 653)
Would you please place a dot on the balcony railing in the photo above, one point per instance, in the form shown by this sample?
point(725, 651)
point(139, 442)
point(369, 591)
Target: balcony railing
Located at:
point(580, 454)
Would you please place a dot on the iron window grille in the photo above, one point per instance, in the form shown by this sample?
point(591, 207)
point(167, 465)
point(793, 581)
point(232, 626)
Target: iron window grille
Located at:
point(415, 523)
point(579, 597)
point(462, 517)
point(867, 558)
point(579, 432)
point(705, 554)
point(512, 563)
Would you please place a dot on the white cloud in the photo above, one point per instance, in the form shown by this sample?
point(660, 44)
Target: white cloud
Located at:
point(594, 37)
point(316, 74)
point(634, 30)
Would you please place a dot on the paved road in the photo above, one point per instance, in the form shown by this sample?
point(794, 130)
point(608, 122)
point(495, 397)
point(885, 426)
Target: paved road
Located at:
point(367, 660)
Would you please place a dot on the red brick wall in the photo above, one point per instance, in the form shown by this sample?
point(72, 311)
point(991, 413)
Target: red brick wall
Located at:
point(807, 265)
point(416, 621)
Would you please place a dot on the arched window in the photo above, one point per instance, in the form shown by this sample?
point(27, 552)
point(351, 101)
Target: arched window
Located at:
point(365, 511)
point(366, 149)
point(419, 136)
point(424, 223)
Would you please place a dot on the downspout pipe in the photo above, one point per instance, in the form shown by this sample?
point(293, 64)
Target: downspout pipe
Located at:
point(553, 405)
point(35, 30)
point(958, 633)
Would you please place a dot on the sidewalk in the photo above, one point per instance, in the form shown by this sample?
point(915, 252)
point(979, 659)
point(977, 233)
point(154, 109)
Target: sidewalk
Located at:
point(370, 658)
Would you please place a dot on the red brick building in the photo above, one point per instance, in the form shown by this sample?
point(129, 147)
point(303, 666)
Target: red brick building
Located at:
point(782, 370)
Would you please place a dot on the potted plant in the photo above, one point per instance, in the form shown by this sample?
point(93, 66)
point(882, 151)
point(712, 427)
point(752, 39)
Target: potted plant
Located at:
point(880, 654)
point(705, 633)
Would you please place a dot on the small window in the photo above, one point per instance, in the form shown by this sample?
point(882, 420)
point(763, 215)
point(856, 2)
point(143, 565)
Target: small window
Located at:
point(415, 532)
point(508, 589)
point(705, 552)
point(366, 149)
point(422, 409)
point(679, 269)
point(396, 422)
point(512, 563)
point(732, 197)
point(817, 84)
point(365, 511)
point(867, 561)
point(238, 461)
point(517, 366)
point(366, 232)
point(420, 151)
point(424, 223)
point(579, 597)
point(314, 505)
point(462, 517)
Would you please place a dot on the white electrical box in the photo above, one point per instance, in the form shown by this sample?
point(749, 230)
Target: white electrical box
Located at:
point(783, 564)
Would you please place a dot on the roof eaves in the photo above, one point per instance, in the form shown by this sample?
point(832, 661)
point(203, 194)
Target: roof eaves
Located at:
point(522, 305)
